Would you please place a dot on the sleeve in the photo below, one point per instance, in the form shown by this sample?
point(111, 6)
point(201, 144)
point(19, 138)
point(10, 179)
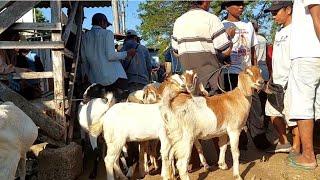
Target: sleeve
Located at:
point(85, 65)
point(254, 39)
point(112, 55)
point(174, 40)
point(306, 3)
point(218, 34)
point(148, 60)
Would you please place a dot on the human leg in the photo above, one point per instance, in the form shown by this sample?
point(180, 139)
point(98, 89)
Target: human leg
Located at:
point(304, 79)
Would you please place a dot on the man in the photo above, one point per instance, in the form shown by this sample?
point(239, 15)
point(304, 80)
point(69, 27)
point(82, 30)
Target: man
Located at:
point(198, 36)
point(100, 61)
point(243, 55)
point(304, 77)
point(282, 14)
point(138, 68)
point(261, 51)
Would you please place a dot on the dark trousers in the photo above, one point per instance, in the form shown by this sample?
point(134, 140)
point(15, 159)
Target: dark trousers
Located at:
point(233, 81)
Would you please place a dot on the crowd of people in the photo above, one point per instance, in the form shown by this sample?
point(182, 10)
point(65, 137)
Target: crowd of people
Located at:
point(205, 44)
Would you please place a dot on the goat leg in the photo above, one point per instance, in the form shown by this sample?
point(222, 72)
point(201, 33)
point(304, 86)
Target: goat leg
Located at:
point(201, 156)
point(94, 172)
point(234, 142)
point(22, 167)
point(223, 144)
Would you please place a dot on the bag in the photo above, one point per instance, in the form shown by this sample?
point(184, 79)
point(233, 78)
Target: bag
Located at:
point(276, 98)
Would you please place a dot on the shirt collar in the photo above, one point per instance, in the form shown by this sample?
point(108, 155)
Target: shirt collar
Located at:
point(96, 27)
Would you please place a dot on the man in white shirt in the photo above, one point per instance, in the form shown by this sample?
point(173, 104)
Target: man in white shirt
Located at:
point(198, 36)
point(304, 77)
point(261, 51)
point(100, 60)
point(243, 55)
point(282, 14)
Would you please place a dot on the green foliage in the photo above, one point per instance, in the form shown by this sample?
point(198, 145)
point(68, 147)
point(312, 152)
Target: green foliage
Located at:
point(159, 16)
point(39, 16)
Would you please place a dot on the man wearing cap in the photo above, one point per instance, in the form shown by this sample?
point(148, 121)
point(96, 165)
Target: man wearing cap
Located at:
point(101, 62)
point(243, 55)
point(282, 15)
point(304, 77)
point(198, 36)
point(138, 68)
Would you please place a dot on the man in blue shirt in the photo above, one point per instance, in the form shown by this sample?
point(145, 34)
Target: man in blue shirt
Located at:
point(138, 68)
point(101, 62)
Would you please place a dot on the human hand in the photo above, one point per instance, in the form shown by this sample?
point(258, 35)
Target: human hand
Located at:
point(231, 32)
point(131, 52)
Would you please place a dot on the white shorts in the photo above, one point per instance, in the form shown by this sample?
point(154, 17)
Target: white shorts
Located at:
point(271, 111)
point(303, 89)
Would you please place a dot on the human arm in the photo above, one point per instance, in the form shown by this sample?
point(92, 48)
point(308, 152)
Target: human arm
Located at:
point(221, 37)
point(148, 61)
point(315, 14)
point(254, 43)
point(112, 55)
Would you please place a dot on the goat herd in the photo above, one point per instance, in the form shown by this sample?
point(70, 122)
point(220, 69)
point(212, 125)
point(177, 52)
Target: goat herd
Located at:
point(178, 112)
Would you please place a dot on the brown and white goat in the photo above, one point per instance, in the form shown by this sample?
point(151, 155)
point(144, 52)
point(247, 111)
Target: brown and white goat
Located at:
point(188, 118)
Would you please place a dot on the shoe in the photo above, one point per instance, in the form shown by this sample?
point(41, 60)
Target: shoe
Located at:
point(261, 142)
point(280, 148)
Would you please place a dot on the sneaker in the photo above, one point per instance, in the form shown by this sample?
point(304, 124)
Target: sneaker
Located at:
point(280, 148)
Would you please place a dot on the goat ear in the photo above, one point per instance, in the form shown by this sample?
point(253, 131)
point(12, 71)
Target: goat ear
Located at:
point(244, 85)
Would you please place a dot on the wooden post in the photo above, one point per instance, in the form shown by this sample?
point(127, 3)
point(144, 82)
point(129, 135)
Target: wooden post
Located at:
point(58, 68)
point(72, 110)
point(68, 27)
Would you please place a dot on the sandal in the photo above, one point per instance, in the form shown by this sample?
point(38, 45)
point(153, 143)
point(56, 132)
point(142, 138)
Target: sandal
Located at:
point(307, 166)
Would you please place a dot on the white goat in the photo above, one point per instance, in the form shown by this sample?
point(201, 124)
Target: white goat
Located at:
point(125, 122)
point(188, 118)
point(17, 134)
point(91, 113)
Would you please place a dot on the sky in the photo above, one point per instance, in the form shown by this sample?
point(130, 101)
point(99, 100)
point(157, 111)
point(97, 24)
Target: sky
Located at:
point(132, 20)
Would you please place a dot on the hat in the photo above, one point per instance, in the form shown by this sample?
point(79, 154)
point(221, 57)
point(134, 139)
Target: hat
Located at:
point(276, 5)
point(96, 18)
point(131, 33)
point(226, 4)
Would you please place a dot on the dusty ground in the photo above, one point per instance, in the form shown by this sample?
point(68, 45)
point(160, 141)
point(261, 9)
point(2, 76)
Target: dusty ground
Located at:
point(254, 164)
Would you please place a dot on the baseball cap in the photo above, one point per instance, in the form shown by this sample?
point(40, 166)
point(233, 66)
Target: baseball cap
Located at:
point(276, 5)
point(131, 33)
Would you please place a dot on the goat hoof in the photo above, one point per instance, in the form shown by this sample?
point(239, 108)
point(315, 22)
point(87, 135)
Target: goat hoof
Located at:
point(223, 166)
point(237, 177)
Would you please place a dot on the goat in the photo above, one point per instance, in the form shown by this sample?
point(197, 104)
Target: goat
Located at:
point(152, 93)
point(188, 118)
point(17, 134)
point(124, 122)
point(90, 113)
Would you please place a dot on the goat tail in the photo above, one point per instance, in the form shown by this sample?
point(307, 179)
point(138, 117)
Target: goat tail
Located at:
point(96, 128)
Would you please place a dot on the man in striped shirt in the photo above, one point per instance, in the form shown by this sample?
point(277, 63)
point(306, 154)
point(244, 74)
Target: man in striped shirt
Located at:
point(198, 36)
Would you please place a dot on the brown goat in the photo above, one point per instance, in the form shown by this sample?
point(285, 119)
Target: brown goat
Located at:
point(189, 118)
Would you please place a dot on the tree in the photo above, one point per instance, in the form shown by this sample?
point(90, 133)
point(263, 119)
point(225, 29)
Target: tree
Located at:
point(158, 18)
point(39, 16)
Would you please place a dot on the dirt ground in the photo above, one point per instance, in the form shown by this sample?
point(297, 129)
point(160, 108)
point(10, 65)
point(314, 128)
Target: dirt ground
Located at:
point(254, 165)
